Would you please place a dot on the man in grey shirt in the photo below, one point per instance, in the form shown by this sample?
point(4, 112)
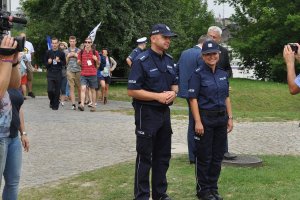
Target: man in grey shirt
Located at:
point(73, 70)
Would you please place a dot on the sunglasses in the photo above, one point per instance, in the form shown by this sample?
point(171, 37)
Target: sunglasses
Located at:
point(89, 42)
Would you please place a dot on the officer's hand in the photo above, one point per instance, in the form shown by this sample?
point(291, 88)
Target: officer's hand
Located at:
point(49, 61)
point(162, 97)
point(199, 129)
point(229, 125)
point(171, 96)
point(57, 59)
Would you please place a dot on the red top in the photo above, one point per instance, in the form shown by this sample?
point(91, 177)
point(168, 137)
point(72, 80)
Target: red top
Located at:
point(88, 64)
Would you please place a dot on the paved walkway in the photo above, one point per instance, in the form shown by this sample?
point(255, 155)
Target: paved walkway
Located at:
point(67, 142)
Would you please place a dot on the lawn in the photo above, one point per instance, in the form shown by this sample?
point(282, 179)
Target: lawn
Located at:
point(278, 178)
point(251, 100)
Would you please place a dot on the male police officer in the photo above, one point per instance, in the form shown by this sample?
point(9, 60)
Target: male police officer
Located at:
point(152, 83)
point(141, 46)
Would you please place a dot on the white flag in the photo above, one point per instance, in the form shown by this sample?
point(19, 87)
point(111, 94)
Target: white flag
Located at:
point(92, 35)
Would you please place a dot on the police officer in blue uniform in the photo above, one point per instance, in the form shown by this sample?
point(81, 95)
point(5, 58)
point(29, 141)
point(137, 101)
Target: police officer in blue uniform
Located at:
point(140, 48)
point(152, 83)
point(211, 109)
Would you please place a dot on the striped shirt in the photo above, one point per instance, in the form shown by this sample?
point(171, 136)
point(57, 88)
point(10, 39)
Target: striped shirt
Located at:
point(88, 65)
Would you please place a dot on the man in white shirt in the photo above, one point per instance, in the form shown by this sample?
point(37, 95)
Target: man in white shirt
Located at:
point(29, 52)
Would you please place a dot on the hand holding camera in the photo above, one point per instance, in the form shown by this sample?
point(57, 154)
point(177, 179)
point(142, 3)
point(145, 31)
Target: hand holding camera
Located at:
point(290, 52)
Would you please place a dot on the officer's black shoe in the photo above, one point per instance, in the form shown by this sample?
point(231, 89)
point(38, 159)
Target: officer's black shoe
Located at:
point(216, 195)
point(31, 94)
point(229, 156)
point(206, 196)
point(165, 198)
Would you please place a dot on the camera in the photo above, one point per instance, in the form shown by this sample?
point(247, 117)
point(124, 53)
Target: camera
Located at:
point(6, 23)
point(294, 47)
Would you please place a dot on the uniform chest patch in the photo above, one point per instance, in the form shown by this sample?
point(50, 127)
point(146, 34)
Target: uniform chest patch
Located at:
point(153, 70)
point(223, 78)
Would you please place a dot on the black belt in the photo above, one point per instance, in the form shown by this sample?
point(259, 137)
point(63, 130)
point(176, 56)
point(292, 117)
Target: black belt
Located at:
point(213, 113)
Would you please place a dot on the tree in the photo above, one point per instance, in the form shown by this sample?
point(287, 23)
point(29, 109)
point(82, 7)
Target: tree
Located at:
point(122, 22)
point(264, 27)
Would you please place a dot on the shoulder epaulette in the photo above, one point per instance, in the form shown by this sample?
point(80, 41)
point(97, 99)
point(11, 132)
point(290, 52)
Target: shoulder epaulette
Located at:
point(143, 57)
point(169, 55)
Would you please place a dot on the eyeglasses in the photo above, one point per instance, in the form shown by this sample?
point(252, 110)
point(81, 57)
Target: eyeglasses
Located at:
point(89, 42)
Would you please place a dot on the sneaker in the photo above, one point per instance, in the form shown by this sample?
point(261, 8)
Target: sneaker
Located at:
point(93, 109)
point(62, 103)
point(31, 94)
point(90, 104)
point(81, 107)
point(73, 107)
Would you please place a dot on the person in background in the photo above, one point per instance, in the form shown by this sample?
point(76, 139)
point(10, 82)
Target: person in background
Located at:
point(110, 65)
point(29, 53)
point(54, 62)
point(62, 47)
point(89, 60)
point(73, 70)
point(211, 108)
point(142, 43)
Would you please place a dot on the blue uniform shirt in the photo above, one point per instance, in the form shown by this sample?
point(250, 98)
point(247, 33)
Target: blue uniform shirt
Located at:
point(135, 53)
point(188, 62)
point(152, 72)
point(211, 89)
point(297, 80)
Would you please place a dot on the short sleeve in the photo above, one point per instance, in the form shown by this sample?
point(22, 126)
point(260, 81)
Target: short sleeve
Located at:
point(297, 80)
point(194, 85)
point(135, 78)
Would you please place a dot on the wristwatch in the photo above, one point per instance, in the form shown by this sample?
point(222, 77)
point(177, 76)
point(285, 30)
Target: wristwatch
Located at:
point(230, 117)
point(23, 133)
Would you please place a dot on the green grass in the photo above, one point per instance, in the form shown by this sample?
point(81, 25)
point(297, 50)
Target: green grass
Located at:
point(278, 178)
point(251, 100)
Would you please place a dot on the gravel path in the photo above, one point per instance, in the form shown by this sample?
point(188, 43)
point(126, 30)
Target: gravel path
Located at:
point(67, 142)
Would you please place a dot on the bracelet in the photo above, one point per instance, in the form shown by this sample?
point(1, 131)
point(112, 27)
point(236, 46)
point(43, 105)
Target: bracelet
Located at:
point(230, 117)
point(6, 60)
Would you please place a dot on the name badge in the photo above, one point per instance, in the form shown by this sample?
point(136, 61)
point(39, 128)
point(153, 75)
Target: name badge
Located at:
point(89, 62)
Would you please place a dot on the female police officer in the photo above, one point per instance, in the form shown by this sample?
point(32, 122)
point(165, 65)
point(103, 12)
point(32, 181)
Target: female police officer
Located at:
point(211, 108)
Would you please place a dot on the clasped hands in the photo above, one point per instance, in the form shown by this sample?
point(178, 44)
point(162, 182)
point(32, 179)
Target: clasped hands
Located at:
point(167, 97)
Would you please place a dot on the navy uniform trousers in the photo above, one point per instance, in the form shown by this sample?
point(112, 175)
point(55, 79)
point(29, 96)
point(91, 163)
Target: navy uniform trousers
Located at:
point(210, 149)
point(153, 146)
point(54, 84)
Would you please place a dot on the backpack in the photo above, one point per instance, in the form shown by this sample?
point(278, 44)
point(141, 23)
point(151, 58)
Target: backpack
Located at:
point(103, 62)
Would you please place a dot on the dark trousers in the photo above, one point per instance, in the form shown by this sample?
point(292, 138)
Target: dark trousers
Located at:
point(153, 146)
point(210, 149)
point(54, 84)
point(190, 135)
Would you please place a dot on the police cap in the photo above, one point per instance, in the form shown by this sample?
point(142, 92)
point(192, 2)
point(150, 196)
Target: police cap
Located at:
point(163, 30)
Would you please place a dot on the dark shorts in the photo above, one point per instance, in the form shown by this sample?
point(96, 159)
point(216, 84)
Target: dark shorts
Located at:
point(106, 79)
point(90, 81)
